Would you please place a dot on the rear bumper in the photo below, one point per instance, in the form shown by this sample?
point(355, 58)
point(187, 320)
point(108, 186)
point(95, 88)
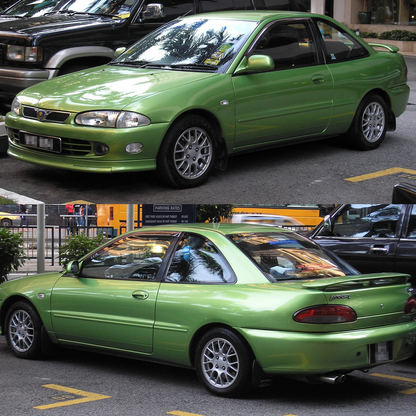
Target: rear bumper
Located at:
point(316, 354)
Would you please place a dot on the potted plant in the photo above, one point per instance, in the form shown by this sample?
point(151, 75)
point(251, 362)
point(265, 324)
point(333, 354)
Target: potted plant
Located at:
point(364, 17)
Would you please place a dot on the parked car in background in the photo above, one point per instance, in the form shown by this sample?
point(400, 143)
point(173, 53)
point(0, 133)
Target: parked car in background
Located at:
point(27, 8)
point(239, 303)
point(372, 237)
point(206, 87)
point(9, 220)
point(264, 219)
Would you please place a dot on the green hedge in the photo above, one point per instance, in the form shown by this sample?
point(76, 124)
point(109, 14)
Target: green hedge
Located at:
point(391, 35)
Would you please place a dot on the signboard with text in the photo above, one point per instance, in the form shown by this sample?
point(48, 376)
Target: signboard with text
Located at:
point(167, 214)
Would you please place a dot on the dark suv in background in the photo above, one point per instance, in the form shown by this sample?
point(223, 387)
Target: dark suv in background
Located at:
point(372, 237)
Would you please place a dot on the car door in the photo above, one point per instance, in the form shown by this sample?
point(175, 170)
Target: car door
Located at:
point(365, 235)
point(111, 302)
point(406, 249)
point(294, 99)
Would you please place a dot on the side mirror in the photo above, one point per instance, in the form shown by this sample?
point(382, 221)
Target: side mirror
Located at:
point(328, 225)
point(119, 51)
point(154, 11)
point(73, 267)
point(255, 63)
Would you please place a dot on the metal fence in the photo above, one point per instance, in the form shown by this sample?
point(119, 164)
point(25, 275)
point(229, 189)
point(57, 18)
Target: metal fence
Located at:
point(55, 236)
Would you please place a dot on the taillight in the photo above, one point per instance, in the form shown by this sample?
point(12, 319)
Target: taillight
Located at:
point(410, 306)
point(325, 314)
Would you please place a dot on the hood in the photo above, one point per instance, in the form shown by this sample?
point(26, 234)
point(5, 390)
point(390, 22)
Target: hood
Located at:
point(107, 87)
point(48, 24)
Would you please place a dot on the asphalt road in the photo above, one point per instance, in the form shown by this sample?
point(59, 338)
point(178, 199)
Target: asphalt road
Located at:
point(318, 172)
point(75, 383)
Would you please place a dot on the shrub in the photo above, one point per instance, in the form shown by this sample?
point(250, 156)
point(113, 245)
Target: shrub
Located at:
point(369, 35)
point(398, 35)
point(78, 246)
point(12, 255)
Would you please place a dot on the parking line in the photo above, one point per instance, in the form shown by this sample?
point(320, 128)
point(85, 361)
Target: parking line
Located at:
point(409, 380)
point(380, 173)
point(88, 397)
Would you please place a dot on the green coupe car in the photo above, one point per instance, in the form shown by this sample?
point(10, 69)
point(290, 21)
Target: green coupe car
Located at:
point(239, 303)
point(205, 87)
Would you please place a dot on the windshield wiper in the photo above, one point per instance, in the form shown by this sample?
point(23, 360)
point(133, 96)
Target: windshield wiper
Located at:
point(139, 64)
point(73, 12)
point(203, 67)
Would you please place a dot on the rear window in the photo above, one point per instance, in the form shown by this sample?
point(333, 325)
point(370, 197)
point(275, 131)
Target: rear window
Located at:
point(288, 256)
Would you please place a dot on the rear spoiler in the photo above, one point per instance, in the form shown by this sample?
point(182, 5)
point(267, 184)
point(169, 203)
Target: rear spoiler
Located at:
point(358, 282)
point(390, 48)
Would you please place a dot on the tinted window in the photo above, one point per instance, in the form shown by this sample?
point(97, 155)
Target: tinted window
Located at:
point(289, 45)
point(367, 221)
point(130, 257)
point(411, 229)
point(197, 260)
point(339, 46)
point(284, 256)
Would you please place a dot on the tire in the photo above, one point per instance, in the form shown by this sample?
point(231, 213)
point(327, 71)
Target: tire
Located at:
point(369, 125)
point(23, 331)
point(5, 222)
point(188, 153)
point(223, 363)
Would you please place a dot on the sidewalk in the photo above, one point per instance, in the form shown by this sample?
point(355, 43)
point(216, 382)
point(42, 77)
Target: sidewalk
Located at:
point(30, 268)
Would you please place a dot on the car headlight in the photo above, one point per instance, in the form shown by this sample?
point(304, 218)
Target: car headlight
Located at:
point(118, 119)
point(24, 53)
point(16, 106)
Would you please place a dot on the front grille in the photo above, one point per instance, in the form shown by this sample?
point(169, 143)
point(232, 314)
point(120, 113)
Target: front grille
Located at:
point(44, 115)
point(70, 147)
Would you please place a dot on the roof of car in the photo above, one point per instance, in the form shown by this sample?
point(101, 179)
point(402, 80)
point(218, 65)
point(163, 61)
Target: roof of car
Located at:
point(222, 228)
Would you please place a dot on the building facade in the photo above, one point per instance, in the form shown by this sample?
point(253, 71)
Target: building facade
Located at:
point(370, 15)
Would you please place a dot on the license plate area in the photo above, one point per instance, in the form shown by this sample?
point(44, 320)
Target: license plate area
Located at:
point(381, 352)
point(47, 143)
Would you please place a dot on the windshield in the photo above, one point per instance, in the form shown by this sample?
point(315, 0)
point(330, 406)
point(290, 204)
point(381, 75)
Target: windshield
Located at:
point(120, 8)
point(30, 8)
point(284, 256)
point(195, 43)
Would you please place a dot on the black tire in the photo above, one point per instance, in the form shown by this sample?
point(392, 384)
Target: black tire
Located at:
point(188, 153)
point(369, 125)
point(23, 331)
point(5, 222)
point(223, 363)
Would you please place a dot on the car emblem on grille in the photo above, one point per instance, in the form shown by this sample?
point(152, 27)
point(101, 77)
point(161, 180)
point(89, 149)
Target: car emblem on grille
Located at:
point(41, 115)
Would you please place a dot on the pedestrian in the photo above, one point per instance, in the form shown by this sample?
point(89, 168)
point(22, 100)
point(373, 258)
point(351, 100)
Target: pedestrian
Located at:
point(73, 226)
point(82, 216)
point(24, 220)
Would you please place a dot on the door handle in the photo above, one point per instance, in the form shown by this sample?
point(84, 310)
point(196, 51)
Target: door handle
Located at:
point(318, 79)
point(384, 250)
point(140, 294)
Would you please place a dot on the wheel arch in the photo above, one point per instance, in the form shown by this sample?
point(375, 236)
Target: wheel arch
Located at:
point(213, 120)
point(204, 329)
point(391, 118)
point(8, 303)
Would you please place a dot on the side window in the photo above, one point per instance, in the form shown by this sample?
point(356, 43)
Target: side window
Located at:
point(367, 221)
point(197, 260)
point(289, 45)
point(411, 229)
point(130, 257)
point(338, 45)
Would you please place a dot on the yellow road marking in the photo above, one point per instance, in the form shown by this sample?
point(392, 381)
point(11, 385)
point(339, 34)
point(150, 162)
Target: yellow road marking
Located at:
point(409, 380)
point(386, 172)
point(87, 397)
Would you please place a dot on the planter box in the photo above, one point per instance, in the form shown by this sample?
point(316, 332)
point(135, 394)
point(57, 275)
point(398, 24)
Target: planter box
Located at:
point(403, 45)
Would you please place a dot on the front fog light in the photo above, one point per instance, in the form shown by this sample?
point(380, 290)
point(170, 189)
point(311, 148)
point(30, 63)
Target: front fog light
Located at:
point(134, 148)
point(100, 149)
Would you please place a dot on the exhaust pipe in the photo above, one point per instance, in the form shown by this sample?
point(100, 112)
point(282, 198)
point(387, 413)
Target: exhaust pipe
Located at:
point(334, 379)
